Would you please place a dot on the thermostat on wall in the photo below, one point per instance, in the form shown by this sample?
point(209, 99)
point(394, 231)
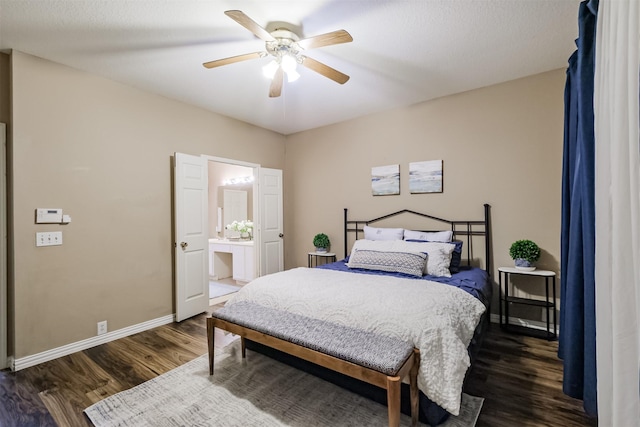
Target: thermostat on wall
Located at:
point(48, 216)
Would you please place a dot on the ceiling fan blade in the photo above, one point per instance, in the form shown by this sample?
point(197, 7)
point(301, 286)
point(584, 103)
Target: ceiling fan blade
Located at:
point(334, 37)
point(231, 60)
point(276, 84)
point(249, 24)
point(325, 70)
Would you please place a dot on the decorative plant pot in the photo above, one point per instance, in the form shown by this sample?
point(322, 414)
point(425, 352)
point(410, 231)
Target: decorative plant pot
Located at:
point(321, 250)
point(524, 265)
point(245, 236)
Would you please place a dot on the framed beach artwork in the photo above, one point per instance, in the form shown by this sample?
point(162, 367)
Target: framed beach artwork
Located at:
point(385, 180)
point(425, 177)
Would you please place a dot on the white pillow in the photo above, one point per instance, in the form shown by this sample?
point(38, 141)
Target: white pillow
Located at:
point(434, 236)
point(374, 233)
point(438, 254)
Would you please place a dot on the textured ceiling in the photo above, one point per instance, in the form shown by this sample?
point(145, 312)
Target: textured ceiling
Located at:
point(403, 52)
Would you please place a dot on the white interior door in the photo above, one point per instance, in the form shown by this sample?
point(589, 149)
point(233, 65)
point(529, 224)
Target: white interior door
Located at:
point(271, 222)
point(191, 235)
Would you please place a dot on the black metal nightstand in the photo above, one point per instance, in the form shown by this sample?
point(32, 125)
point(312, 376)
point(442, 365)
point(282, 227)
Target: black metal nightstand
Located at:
point(312, 258)
point(547, 304)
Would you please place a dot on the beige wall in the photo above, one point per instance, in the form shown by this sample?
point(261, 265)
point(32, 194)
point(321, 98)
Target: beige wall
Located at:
point(501, 145)
point(101, 151)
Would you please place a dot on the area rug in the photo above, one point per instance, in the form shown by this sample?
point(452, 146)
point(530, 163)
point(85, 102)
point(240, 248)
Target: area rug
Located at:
point(255, 392)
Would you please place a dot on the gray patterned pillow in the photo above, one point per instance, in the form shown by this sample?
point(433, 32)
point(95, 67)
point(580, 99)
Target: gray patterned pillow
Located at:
point(412, 263)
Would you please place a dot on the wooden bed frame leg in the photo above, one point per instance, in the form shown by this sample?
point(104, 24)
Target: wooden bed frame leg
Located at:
point(393, 401)
point(413, 386)
point(211, 341)
point(244, 348)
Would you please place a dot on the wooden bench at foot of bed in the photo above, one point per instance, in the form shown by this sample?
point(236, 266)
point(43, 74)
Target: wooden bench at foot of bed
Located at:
point(369, 357)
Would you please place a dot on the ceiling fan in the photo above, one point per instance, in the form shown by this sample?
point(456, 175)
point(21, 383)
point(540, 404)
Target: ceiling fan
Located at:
point(286, 47)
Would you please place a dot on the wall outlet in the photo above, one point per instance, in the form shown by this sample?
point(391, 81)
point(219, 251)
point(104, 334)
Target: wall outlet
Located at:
point(102, 327)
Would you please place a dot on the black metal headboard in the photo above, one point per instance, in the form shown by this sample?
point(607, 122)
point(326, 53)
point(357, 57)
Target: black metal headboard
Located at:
point(459, 228)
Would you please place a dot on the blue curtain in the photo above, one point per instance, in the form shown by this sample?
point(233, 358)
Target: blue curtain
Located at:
point(577, 346)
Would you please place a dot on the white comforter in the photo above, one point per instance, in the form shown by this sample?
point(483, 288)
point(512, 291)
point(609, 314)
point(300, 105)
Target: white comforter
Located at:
point(436, 318)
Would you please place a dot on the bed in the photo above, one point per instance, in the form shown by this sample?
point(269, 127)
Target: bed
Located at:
point(402, 283)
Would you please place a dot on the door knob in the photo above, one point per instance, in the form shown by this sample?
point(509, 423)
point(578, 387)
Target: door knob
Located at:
point(184, 245)
point(280, 235)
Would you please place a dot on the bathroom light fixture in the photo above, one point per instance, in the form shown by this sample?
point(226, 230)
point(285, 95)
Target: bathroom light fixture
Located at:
point(238, 180)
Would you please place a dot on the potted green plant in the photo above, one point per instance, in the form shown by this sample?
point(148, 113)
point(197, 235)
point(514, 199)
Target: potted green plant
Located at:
point(524, 253)
point(321, 242)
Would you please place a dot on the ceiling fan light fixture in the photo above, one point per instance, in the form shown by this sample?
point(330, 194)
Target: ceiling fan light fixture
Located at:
point(289, 64)
point(292, 76)
point(285, 47)
point(269, 70)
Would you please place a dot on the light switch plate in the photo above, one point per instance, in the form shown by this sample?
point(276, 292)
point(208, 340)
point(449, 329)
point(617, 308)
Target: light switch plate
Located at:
point(51, 238)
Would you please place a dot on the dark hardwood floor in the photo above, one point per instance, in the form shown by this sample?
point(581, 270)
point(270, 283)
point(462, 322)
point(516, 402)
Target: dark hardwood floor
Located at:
point(521, 380)
point(519, 377)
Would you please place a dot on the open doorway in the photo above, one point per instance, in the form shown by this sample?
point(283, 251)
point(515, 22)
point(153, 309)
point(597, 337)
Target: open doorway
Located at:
point(231, 251)
point(197, 242)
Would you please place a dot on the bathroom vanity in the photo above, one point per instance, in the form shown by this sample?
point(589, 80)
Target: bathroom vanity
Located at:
point(231, 258)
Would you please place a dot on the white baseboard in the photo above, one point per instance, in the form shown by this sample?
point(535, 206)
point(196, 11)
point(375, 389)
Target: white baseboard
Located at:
point(45, 356)
point(527, 323)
